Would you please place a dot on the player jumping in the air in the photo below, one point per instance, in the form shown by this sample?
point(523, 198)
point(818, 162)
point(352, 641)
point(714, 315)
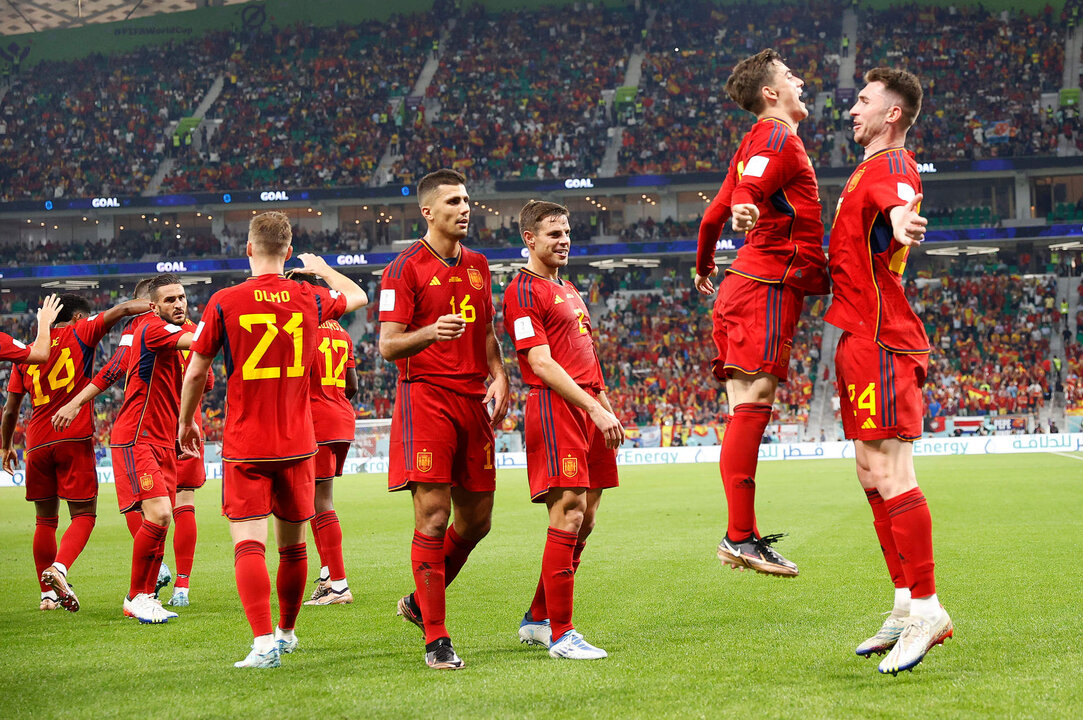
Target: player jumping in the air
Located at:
point(882, 357)
point(436, 323)
point(266, 328)
point(571, 431)
point(770, 191)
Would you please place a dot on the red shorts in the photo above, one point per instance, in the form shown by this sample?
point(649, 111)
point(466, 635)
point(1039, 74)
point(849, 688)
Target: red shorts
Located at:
point(440, 436)
point(330, 459)
point(753, 326)
point(65, 470)
point(142, 472)
point(283, 488)
point(564, 448)
point(191, 472)
point(879, 391)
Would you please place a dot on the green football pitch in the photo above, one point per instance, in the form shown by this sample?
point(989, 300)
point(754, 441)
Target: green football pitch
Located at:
point(686, 637)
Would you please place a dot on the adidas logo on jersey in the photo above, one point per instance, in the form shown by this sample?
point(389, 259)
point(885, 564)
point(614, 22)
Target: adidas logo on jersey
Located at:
point(868, 425)
point(434, 281)
point(557, 300)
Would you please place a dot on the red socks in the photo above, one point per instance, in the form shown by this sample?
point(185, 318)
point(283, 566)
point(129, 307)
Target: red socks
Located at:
point(134, 519)
point(912, 528)
point(75, 538)
point(184, 542)
point(740, 453)
point(328, 534)
point(292, 576)
point(456, 550)
point(558, 577)
point(538, 608)
point(254, 585)
point(44, 545)
point(882, 523)
point(144, 552)
point(427, 562)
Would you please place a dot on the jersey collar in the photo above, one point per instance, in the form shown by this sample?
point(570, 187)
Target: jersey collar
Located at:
point(441, 258)
point(531, 273)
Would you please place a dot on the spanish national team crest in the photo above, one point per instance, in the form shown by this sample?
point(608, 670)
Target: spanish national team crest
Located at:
point(855, 179)
point(475, 278)
point(569, 466)
point(146, 481)
point(424, 461)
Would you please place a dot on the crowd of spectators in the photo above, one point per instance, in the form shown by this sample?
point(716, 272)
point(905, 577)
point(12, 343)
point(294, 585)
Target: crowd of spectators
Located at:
point(98, 125)
point(309, 106)
point(991, 337)
point(682, 120)
point(983, 73)
point(520, 95)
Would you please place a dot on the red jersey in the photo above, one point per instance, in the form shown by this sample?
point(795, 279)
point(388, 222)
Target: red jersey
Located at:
point(772, 171)
point(57, 380)
point(332, 414)
point(12, 349)
point(417, 288)
point(538, 311)
point(152, 393)
point(266, 328)
point(867, 262)
point(190, 326)
point(117, 366)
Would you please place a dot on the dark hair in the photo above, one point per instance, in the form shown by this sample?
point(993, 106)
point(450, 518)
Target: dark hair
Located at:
point(72, 304)
point(903, 85)
point(433, 180)
point(159, 281)
point(303, 277)
point(748, 78)
point(141, 292)
point(537, 210)
point(270, 232)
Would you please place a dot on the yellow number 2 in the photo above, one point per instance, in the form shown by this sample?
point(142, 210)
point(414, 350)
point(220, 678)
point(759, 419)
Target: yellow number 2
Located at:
point(251, 370)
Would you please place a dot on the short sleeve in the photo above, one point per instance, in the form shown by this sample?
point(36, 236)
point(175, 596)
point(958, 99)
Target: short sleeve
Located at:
point(15, 382)
point(350, 360)
point(91, 330)
point(330, 304)
point(12, 349)
point(523, 318)
point(397, 293)
point(160, 335)
point(208, 335)
point(894, 190)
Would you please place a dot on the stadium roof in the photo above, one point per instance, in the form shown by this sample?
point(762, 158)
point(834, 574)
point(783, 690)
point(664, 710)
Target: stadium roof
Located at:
point(24, 16)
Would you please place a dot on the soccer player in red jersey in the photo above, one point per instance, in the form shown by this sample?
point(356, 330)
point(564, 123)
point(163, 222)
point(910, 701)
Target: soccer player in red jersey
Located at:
point(771, 193)
point(882, 357)
point(436, 323)
point(571, 431)
point(191, 475)
point(266, 328)
point(143, 441)
point(334, 383)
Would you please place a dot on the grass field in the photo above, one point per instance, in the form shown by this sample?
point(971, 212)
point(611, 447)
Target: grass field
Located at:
point(686, 637)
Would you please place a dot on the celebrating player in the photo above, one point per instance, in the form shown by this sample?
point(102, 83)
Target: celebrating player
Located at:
point(882, 357)
point(436, 322)
point(142, 440)
point(59, 465)
point(333, 384)
point(770, 191)
point(191, 475)
point(571, 432)
point(267, 329)
point(37, 352)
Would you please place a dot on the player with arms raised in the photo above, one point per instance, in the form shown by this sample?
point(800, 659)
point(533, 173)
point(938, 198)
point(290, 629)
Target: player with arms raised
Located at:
point(571, 432)
point(882, 357)
point(334, 383)
point(266, 328)
point(770, 191)
point(436, 323)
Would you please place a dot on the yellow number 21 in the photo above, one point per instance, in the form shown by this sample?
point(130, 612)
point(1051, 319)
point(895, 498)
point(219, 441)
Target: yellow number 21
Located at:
point(251, 369)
